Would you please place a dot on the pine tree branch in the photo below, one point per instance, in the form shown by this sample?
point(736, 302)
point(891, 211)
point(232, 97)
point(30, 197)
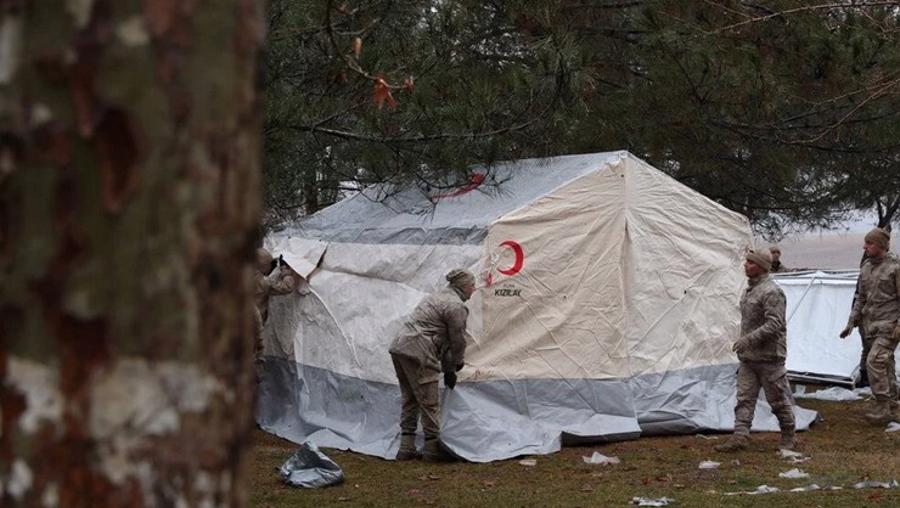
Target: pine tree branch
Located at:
point(352, 136)
point(806, 8)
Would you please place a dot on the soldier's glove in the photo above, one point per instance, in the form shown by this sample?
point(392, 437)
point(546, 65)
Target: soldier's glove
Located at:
point(849, 328)
point(459, 366)
point(740, 345)
point(897, 332)
point(450, 379)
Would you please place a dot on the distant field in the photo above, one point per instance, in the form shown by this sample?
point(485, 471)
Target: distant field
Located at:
point(828, 251)
point(843, 448)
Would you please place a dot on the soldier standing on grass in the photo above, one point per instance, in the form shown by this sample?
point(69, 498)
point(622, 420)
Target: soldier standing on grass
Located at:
point(877, 309)
point(864, 339)
point(433, 340)
point(761, 349)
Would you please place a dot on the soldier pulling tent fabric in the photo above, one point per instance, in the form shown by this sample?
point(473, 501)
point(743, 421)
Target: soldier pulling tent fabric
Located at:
point(433, 339)
point(268, 284)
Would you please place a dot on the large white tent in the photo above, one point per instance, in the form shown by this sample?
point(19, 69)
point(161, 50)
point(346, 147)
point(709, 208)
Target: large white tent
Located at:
point(607, 309)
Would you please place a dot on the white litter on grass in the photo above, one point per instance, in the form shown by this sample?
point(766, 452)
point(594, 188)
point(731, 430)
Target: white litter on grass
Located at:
point(764, 489)
point(793, 474)
point(706, 436)
point(863, 391)
point(792, 456)
point(528, 462)
point(599, 458)
point(649, 501)
point(876, 485)
point(835, 393)
point(892, 427)
point(708, 464)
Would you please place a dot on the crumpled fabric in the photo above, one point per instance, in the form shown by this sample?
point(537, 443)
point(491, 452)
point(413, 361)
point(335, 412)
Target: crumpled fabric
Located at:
point(309, 468)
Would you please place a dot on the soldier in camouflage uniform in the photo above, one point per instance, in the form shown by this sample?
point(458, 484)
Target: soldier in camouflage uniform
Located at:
point(282, 282)
point(877, 309)
point(777, 266)
point(433, 339)
point(864, 339)
point(761, 349)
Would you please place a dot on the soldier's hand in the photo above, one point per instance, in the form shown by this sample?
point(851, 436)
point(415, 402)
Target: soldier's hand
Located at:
point(739, 345)
point(450, 379)
point(459, 366)
point(896, 332)
point(846, 331)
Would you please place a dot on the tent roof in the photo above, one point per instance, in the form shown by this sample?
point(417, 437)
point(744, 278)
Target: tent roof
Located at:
point(459, 217)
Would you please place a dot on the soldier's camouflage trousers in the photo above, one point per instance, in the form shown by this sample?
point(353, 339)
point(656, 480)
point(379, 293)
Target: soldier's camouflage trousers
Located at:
point(772, 378)
point(881, 368)
point(418, 398)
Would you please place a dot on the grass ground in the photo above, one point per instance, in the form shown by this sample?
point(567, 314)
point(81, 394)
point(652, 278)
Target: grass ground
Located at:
point(844, 450)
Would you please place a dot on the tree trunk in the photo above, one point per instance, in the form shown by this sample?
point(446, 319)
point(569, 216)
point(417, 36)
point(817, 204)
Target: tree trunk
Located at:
point(129, 212)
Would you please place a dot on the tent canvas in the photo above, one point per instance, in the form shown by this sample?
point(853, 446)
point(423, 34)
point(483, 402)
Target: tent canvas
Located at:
point(818, 305)
point(607, 309)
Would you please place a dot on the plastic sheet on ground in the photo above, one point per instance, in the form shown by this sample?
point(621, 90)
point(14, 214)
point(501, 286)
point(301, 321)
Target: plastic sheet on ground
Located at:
point(794, 474)
point(708, 464)
point(834, 393)
point(600, 459)
point(309, 468)
point(649, 501)
point(892, 427)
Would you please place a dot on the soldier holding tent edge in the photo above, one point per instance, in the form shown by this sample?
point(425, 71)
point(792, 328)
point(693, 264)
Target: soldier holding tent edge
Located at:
point(268, 284)
point(433, 340)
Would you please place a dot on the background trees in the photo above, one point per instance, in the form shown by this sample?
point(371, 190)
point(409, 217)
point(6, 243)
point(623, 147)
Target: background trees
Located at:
point(785, 111)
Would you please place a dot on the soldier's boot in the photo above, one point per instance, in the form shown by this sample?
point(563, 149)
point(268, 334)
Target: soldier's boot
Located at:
point(863, 378)
point(895, 410)
point(881, 413)
point(434, 452)
point(788, 439)
point(735, 443)
point(407, 447)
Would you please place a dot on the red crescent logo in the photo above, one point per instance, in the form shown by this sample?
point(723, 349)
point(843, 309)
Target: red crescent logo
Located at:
point(520, 258)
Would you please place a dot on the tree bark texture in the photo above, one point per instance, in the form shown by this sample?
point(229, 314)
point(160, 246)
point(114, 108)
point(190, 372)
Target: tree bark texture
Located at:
point(129, 214)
